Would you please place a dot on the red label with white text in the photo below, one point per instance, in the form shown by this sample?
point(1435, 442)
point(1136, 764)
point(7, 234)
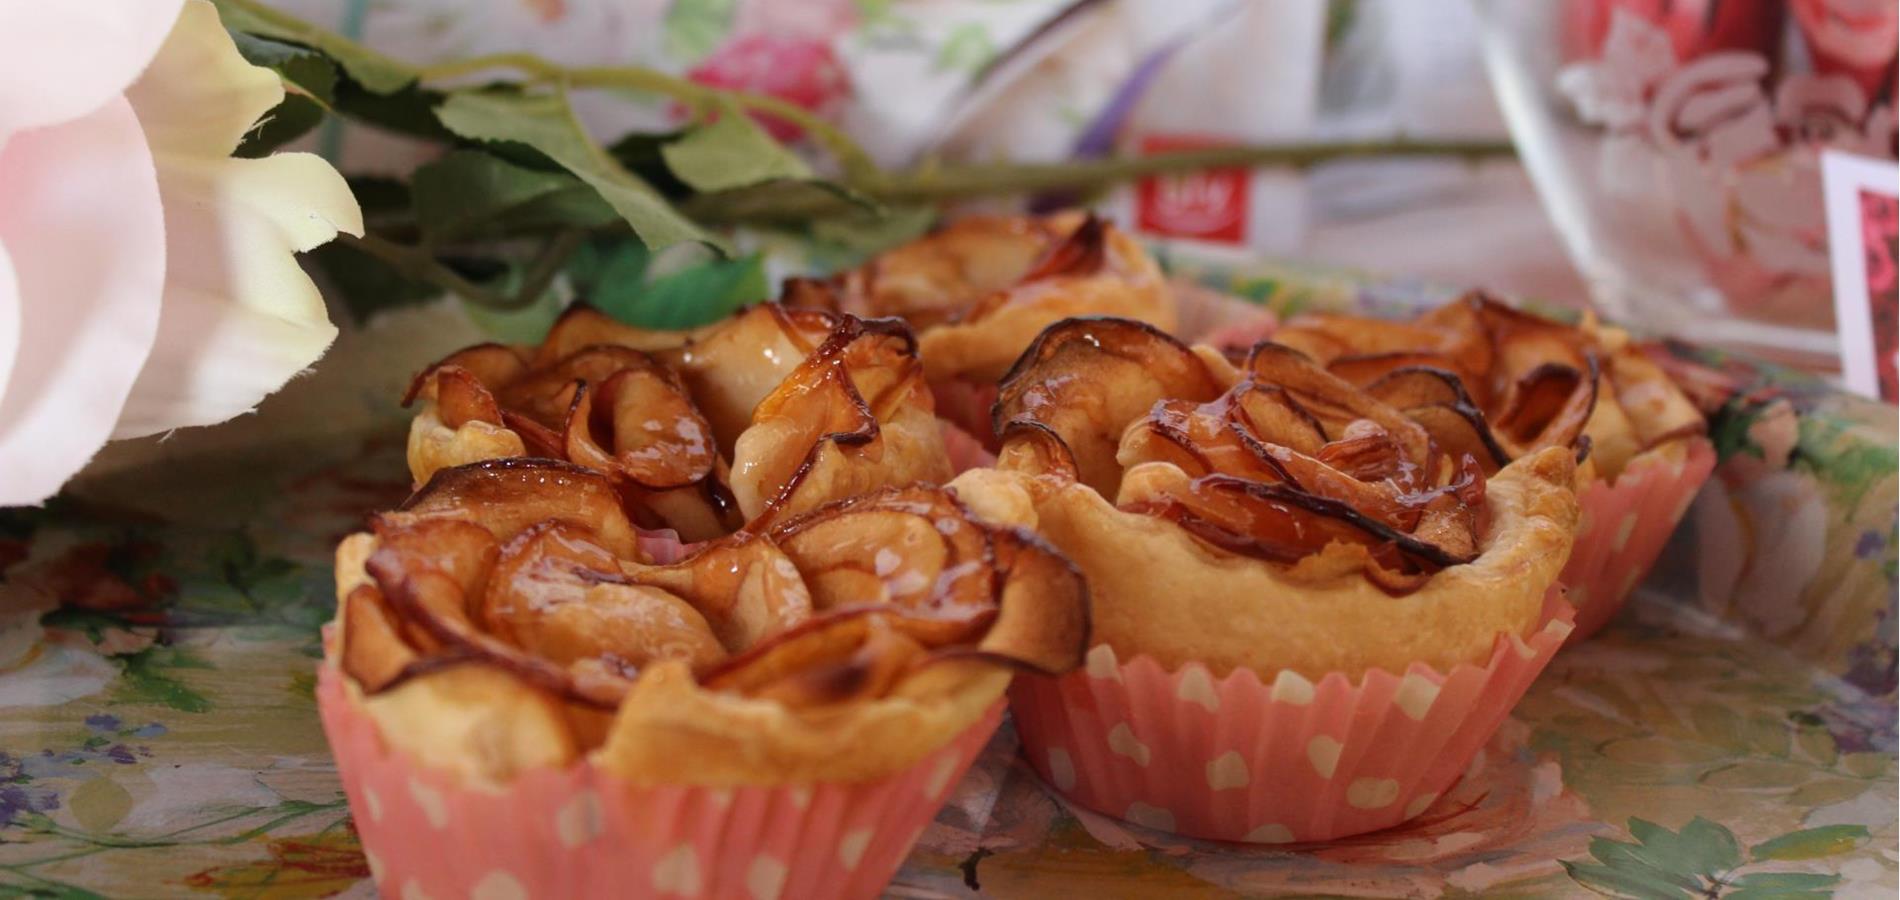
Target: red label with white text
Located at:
point(1209, 205)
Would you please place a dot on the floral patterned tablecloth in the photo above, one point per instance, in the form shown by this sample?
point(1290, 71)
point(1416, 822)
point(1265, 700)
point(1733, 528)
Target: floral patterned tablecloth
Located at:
point(1733, 734)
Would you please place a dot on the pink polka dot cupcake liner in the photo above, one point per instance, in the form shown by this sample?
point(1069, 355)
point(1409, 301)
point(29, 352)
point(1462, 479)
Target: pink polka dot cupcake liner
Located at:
point(1274, 762)
point(1624, 527)
point(581, 833)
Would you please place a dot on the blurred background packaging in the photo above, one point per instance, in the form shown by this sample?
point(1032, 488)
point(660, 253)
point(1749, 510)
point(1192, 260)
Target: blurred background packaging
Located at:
point(1666, 216)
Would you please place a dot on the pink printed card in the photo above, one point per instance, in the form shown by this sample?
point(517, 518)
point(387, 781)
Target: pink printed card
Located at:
point(1861, 207)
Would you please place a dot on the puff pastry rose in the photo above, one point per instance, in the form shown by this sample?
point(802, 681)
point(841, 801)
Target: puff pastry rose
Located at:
point(1640, 442)
point(980, 289)
point(1269, 515)
point(769, 413)
point(1540, 382)
point(505, 619)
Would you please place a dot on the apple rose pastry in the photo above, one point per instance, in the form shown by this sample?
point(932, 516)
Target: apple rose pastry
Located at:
point(980, 289)
point(1256, 535)
point(769, 413)
point(1641, 444)
point(503, 628)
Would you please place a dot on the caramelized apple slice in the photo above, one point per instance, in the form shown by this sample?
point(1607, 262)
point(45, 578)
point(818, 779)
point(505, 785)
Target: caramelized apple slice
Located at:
point(555, 594)
point(846, 655)
point(1087, 379)
point(745, 586)
point(1042, 621)
point(374, 652)
point(581, 326)
point(491, 366)
point(1437, 401)
point(1333, 402)
point(1273, 521)
point(1033, 448)
point(854, 417)
point(1549, 406)
point(730, 368)
point(506, 496)
point(912, 548)
point(545, 394)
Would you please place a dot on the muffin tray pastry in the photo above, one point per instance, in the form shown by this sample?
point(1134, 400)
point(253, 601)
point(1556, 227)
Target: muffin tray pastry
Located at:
point(980, 289)
point(1643, 446)
point(1309, 612)
point(1733, 727)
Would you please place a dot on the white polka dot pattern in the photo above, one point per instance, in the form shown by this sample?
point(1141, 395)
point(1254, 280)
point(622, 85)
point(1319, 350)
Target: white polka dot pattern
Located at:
point(1196, 687)
point(1623, 531)
point(939, 781)
point(1415, 696)
point(1122, 741)
point(1226, 772)
point(766, 879)
point(1100, 663)
point(1323, 753)
point(374, 802)
point(1292, 687)
point(677, 872)
point(1061, 769)
point(498, 885)
point(579, 820)
point(1372, 793)
point(429, 800)
point(1284, 759)
point(851, 848)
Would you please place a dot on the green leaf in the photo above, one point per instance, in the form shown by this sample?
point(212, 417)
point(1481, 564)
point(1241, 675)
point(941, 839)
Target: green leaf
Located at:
point(785, 201)
point(695, 27)
point(469, 194)
point(375, 71)
point(966, 49)
point(731, 151)
point(866, 234)
point(525, 325)
point(1703, 847)
point(309, 84)
point(302, 69)
point(366, 284)
point(1636, 859)
point(609, 263)
point(546, 122)
point(1710, 847)
point(687, 298)
point(1619, 883)
point(410, 111)
point(143, 679)
point(1811, 843)
point(1784, 881)
point(286, 122)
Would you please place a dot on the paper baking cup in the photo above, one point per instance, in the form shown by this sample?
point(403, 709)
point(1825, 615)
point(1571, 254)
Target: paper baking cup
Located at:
point(1288, 760)
point(965, 452)
point(966, 404)
point(1624, 527)
point(581, 833)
